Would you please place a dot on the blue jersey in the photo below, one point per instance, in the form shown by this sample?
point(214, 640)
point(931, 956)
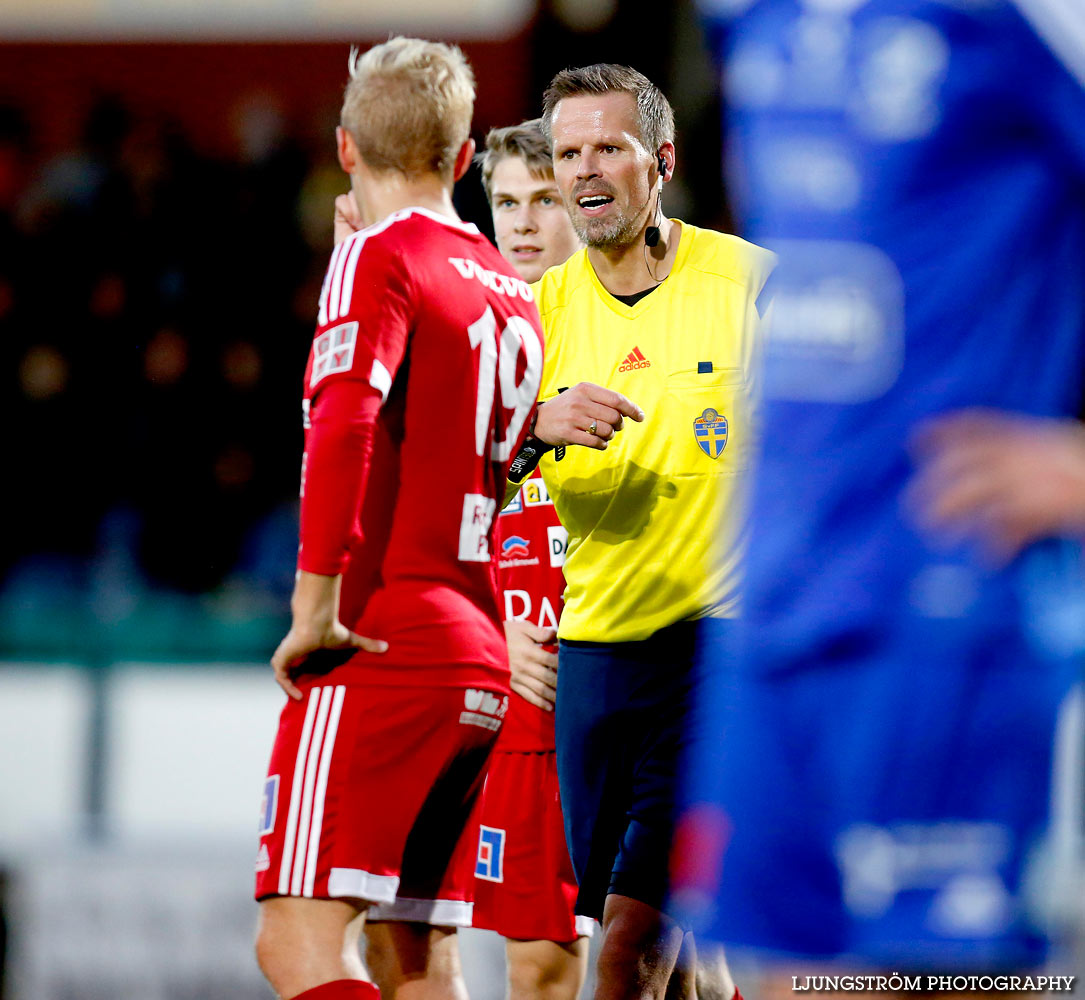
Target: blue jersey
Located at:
point(919, 166)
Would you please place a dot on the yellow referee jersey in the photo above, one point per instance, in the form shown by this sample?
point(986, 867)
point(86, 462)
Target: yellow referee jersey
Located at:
point(655, 522)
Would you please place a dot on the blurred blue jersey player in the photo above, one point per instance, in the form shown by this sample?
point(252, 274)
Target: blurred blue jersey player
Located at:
point(884, 766)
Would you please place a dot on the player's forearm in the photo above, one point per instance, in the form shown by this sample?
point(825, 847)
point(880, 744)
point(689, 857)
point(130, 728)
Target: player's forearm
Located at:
point(338, 447)
point(315, 604)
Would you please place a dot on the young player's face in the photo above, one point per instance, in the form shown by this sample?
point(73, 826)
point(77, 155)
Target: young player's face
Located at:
point(603, 170)
point(530, 222)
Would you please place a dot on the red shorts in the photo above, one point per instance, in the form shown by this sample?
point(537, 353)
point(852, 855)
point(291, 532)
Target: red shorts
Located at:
point(373, 793)
point(524, 883)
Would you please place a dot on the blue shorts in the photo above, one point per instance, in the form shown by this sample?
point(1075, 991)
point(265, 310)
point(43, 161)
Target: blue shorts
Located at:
point(622, 728)
point(883, 801)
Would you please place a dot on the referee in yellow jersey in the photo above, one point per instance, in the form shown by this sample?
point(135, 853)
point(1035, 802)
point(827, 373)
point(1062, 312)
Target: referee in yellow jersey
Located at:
point(665, 315)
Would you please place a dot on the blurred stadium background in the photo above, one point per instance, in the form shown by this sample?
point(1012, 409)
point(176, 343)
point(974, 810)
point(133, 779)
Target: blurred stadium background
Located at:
point(167, 173)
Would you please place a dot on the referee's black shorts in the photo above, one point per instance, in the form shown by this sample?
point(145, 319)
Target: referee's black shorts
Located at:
point(623, 723)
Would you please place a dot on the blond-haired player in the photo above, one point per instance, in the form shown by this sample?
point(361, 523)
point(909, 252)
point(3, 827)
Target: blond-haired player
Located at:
point(395, 663)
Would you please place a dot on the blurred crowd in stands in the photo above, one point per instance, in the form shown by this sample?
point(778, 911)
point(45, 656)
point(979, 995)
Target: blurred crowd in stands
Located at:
point(156, 307)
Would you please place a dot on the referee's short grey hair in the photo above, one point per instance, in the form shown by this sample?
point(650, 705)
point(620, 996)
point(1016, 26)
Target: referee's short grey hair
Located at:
point(527, 141)
point(654, 114)
point(408, 106)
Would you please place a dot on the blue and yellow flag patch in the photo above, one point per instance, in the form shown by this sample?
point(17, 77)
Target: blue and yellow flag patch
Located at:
point(710, 429)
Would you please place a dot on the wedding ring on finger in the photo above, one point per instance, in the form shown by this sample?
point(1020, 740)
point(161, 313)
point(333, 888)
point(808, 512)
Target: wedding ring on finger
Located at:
point(591, 429)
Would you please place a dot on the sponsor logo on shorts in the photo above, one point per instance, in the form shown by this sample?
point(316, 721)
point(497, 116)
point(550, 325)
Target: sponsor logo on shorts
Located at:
point(268, 805)
point(958, 863)
point(482, 708)
point(263, 859)
point(490, 862)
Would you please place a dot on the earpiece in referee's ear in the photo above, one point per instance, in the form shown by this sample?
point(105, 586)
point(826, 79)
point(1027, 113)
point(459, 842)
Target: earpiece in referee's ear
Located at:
point(651, 234)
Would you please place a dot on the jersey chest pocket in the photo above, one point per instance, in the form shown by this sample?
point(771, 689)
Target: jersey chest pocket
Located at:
point(708, 420)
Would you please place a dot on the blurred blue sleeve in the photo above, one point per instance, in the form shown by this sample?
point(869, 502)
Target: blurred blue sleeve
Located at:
point(1059, 94)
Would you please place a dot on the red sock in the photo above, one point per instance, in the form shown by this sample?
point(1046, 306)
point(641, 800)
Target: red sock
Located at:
point(342, 989)
point(737, 996)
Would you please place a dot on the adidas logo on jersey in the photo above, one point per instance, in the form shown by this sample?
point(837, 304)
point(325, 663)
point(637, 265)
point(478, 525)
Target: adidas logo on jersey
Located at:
point(634, 359)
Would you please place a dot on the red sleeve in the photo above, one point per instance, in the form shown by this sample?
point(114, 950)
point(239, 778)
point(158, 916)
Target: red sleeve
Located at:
point(366, 314)
point(337, 449)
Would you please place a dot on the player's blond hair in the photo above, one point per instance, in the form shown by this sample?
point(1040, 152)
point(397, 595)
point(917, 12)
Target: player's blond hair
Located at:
point(527, 141)
point(408, 106)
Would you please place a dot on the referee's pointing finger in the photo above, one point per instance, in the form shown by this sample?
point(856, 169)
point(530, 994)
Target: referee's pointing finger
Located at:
point(615, 400)
point(575, 415)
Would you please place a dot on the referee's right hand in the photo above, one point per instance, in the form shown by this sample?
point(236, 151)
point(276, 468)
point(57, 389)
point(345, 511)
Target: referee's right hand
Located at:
point(587, 415)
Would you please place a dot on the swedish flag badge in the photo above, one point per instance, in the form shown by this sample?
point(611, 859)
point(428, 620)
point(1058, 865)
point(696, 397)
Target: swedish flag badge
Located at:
point(710, 429)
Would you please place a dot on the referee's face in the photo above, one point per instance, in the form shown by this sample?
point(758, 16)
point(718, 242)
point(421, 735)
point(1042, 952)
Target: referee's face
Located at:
point(603, 170)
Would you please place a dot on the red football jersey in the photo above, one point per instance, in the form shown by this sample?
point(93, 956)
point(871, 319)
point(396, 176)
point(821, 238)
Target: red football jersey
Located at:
point(421, 317)
point(531, 552)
